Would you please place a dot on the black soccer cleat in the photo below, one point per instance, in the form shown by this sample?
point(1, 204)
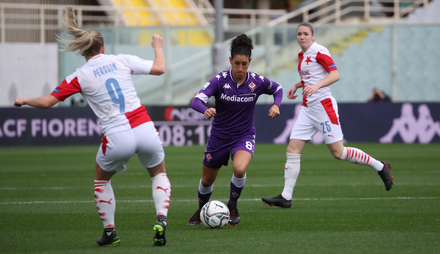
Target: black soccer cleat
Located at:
point(195, 219)
point(278, 201)
point(109, 238)
point(234, 217)
point(159, 230)
point(386, 176)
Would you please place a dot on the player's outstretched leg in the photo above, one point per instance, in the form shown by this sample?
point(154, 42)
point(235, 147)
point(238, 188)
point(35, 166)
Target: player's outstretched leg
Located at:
point(386, 176)
point(234, 217)
point(159, 231)
point(278, 201)
point(109, 238)
point(195, 219)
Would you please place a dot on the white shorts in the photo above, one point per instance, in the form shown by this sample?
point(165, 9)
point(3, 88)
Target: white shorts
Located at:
point(322, 117)
point(117, 148)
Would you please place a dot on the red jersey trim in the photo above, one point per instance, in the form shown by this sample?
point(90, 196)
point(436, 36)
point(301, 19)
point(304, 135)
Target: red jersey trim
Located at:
point(104, 144)
point(326, 62)
point(328, 106)
point(67, 89)
point(301, 58)
point(304, 97)
point(138, 117)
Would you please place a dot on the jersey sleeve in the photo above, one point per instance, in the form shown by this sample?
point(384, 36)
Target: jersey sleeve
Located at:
point(138, 65)
point(208, 90)
point(275, 89)
point(67, 88)
point(326, 61)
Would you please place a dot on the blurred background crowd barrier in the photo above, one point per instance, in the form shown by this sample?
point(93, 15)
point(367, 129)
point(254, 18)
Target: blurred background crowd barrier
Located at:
point(389, 44)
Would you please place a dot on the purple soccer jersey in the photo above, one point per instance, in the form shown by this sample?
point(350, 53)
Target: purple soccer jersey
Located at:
point(235, 103)
point(233, 126)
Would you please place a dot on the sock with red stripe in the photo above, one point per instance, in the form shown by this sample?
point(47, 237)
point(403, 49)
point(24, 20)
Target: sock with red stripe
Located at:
point(105, 202)
point(358, 156)
point(161, 193)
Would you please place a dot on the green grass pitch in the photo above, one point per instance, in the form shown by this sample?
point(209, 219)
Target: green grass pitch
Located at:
point(47, 204)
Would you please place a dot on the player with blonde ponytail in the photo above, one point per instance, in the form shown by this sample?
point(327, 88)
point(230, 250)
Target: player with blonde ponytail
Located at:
point(106, 84)
point(87, 42)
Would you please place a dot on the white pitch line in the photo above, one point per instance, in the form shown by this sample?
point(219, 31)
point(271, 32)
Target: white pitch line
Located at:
point(217, 185)
point(195, 200)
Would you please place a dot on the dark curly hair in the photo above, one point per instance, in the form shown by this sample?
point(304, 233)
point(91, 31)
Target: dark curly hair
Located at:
point(241, 45)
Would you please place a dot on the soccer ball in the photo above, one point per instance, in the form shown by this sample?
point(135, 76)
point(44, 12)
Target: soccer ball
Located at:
point(214, 214)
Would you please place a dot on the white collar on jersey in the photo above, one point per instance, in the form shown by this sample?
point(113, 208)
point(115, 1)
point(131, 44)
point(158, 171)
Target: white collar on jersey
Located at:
point(96, 57)
point(312, 48)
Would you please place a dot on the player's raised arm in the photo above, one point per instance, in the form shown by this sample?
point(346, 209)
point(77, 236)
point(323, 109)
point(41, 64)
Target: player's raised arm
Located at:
point(159, 60)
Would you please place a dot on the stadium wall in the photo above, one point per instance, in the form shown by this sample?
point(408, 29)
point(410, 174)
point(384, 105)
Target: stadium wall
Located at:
point(27, 70)
point(375, 122)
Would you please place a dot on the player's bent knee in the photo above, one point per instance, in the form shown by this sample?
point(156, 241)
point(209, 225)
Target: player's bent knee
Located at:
point(208, 182)
point(240, 174)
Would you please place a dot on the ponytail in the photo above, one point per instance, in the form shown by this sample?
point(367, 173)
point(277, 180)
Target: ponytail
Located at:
point(87, 42)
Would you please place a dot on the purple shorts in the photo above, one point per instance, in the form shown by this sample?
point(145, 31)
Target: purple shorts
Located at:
point(218, 150)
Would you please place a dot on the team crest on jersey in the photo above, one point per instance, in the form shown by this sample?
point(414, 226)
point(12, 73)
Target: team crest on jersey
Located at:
point(208, 157)
point(252, 86)
point(226, 86)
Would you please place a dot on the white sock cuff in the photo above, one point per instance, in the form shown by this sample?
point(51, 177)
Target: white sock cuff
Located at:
point(344, 153)
point(159, 175)
point(105, 182)
point(239, 182)
point(205, 190)
point(293, 157)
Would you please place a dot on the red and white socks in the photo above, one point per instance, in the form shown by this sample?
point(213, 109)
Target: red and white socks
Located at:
point(105, 202)
point(358, 156)
point(161, 193)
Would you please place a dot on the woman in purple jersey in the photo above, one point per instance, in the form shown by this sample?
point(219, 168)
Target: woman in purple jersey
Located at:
point(319, 112)
point(233, 134)
point(125, 123)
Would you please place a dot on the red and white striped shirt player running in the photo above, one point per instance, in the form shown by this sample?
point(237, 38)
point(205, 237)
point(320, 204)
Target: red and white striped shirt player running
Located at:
point(106, 84)
point(319, 112)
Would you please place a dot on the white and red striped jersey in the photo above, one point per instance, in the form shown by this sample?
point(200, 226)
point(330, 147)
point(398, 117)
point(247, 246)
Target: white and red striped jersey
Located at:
point(314, 66)
point(105, 82)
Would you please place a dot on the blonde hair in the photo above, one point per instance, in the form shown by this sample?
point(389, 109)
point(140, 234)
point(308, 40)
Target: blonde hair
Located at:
point(88, 42)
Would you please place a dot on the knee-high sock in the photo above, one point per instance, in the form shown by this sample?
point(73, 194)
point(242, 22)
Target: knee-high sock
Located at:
point(105, 202)
point(204, 194)
point(237, 185)
point(291, 172)
point(161, 193)
point(358, 156)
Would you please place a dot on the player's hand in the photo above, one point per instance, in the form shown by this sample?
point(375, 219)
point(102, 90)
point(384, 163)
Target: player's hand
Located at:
point(19, 101)
point(274, 111)
point(210, 112)
point(157, 41)
point(308, 91)
point(291, 92)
